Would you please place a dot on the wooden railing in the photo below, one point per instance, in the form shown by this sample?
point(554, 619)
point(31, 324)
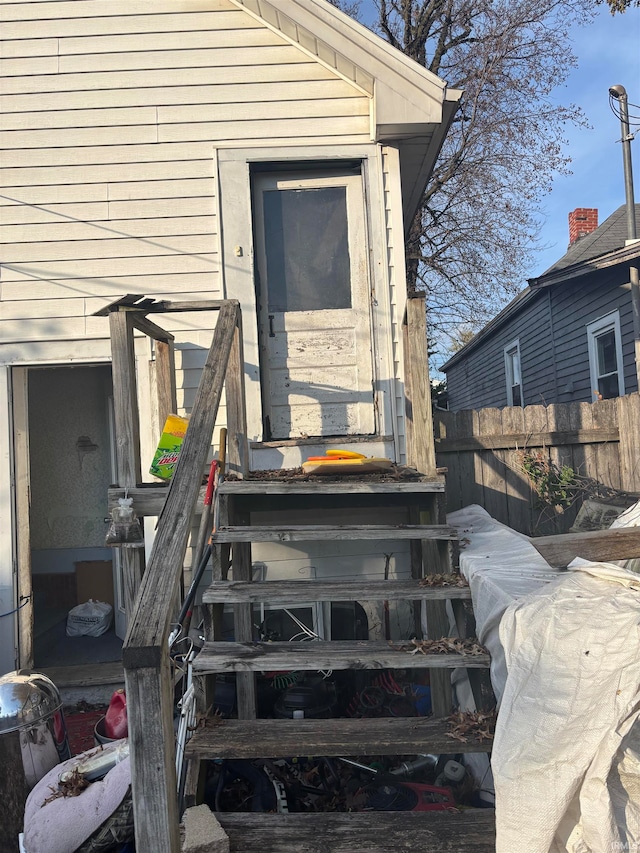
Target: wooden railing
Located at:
point(145, 652)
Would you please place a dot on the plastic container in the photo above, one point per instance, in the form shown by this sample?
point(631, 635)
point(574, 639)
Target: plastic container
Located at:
point(115, 720)
point(169, 447)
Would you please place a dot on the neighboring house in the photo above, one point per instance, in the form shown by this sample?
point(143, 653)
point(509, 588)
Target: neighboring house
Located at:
point(194, 150)
point(568, 337)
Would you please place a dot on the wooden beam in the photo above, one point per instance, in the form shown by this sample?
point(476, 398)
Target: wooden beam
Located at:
point(333, 532)
point(238, 455)
point(142, 324)
point(621, 543)
point(421, 451)
point(374, 736)
point(469, 831)
point(151, 744)
point(127, 435)
point(145, 654)
point(125, 399)
point(282, 593)
point(522, 440)
point(629, 426)
point(149, 627)
point(166, 393)
point(325, 654)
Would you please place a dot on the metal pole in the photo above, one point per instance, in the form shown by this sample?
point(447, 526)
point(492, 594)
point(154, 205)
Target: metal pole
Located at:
point(619, 93)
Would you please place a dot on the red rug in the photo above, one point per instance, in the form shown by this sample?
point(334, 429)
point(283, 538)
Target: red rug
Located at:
point(80, 726)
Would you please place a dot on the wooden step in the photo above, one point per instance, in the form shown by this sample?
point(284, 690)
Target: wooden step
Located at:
point(468, 831)
point(283, 593)
point(323, 655)
point(348, 737)
point(325, 532)
point(331, 486)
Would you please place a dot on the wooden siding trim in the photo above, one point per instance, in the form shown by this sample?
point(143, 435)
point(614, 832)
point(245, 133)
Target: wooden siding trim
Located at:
point(308, 42)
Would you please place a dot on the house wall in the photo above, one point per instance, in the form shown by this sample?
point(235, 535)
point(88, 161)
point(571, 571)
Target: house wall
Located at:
point(575, 305)
point(113, 118)
point(479, 379)
point(552, 330)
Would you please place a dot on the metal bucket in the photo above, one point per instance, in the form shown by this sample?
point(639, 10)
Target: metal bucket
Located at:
point(31, 711)
point(33, 739)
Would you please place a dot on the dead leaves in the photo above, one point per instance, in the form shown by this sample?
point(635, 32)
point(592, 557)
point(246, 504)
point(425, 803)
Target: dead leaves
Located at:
point(444, 580)
point(443, 646)
point(472, 725)
point(73, 787)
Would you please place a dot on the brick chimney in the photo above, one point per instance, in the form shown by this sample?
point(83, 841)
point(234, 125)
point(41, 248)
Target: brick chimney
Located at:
point(582, 221)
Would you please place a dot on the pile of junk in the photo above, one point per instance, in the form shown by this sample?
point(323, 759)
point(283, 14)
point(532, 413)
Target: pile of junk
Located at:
point(52, 801)
point(422, 782)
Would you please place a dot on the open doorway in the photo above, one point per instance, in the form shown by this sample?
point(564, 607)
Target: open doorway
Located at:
point(70, 464)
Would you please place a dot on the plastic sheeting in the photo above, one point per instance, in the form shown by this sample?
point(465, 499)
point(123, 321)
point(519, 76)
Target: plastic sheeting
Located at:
point(566, 758)
point(501, 566)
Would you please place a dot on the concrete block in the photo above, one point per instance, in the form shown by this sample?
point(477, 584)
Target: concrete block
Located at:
point(201, 832)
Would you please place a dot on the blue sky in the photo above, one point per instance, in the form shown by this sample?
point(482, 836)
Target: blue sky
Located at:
point(608, 52)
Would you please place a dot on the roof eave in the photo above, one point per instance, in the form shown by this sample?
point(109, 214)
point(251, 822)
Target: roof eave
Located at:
point(619, 256)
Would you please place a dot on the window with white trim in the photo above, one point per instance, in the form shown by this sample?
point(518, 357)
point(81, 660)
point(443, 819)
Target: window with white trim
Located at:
point(605, 357)
point(513, 374)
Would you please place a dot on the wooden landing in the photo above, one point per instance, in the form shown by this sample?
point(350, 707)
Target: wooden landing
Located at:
point(333, 532)
point(346, 737)
point(332, 486)
point(282, 593)
point(322, 655)
point(85, 675)
point(469, 831)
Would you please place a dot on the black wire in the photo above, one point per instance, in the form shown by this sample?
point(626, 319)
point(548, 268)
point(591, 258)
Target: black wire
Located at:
point(15, 609)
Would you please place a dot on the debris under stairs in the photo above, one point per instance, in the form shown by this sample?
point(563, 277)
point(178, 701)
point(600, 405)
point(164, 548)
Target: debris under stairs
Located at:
point(250, 738)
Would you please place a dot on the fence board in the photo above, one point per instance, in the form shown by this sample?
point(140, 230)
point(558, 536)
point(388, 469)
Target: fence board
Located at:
point(518, 489)
point(493, 482)
point(480, 449)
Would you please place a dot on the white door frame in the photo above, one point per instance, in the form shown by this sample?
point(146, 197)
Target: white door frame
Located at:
point(233, 168)
point(274, 328)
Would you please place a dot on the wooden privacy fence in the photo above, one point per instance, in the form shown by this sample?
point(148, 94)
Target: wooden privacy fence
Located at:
point(482, 452)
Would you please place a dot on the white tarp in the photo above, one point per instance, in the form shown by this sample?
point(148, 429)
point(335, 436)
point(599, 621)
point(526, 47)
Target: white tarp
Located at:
point(566, 760)
point(501, 566)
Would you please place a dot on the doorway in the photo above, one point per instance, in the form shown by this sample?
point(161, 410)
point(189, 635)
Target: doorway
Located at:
point(314, 304)
point(69, 452)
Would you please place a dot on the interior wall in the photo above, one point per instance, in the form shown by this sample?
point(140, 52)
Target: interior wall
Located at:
point(70, 462)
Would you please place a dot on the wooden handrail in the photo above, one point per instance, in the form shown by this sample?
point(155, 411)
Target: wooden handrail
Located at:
point(145, 652)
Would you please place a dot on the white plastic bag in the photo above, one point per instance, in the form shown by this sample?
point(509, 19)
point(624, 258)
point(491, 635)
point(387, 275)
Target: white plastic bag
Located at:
point(91, 619)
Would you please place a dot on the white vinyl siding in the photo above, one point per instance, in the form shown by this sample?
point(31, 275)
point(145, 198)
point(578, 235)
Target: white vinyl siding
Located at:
point(110, 115)
point(605, 357)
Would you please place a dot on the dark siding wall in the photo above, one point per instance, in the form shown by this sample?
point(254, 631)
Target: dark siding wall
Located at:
point(479, 380)
point(575, 305)
point(552, 330)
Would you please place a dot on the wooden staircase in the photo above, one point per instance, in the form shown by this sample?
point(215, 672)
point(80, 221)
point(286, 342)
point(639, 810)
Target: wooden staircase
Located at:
point(251, 738)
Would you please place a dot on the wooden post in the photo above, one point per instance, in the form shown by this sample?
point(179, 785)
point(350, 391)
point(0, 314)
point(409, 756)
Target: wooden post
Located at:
point(153, 768)
point(127, 429)
point(238, 456)
point(629, 431)
point(421, 452)
point(421, 455)
point(145, 655)
point(165, 380)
